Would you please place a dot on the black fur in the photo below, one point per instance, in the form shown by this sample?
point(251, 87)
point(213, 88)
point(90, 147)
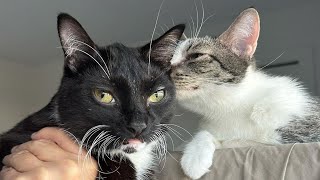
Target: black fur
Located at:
point(74, 107)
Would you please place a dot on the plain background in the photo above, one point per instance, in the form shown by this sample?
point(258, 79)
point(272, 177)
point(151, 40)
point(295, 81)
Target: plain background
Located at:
point(31, 61)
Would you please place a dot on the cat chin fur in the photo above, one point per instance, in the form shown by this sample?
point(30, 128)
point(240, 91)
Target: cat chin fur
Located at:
point(143, 160)
point(254, 108)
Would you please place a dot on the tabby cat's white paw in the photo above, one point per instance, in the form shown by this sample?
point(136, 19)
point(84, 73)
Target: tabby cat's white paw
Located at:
point(198, 154)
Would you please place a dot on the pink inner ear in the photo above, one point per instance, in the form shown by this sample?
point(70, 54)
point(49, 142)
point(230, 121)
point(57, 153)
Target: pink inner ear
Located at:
point(252, 40)
point(242, 36)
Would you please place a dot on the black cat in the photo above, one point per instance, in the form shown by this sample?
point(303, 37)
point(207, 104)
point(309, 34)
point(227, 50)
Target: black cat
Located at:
point(113, 99)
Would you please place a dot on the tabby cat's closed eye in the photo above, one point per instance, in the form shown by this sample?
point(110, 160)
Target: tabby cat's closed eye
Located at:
point(194, 56)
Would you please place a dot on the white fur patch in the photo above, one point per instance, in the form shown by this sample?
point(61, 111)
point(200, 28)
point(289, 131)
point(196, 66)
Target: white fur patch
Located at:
point(180, 53)
point(142, 160)
point(198, 154)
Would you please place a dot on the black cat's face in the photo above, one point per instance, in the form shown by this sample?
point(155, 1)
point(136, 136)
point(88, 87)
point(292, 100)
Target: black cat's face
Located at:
point(113, 97)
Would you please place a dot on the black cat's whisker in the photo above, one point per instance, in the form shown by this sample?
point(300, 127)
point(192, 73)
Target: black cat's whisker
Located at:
point(90, 57)
point(95, 142)
point(154, 29)
point(73, 137)
point(272, 61)
point(177, 134)
point(96, 53)
point(157, 134)
point(89, 133)
point(115, 142)
point(161, 135)
point(179, 128)
point(173, 130)
point(173, 146)
point(106, 139)
point(163, 146)
point(157, 137)
point(167, 152)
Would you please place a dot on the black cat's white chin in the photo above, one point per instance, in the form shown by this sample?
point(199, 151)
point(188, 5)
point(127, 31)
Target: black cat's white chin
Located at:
point(133, 145)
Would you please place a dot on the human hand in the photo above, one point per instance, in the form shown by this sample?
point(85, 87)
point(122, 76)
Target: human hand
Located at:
point(50, 155)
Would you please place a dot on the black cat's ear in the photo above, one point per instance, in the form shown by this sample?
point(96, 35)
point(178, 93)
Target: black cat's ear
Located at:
point(76, 43)
point(162, 49)
point(242, 36)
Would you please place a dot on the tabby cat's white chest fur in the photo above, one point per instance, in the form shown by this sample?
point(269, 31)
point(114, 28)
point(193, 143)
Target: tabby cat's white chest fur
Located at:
point(252, 109)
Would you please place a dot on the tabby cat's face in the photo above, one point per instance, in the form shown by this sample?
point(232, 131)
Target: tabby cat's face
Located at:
point(205, 62)
point(111, 97)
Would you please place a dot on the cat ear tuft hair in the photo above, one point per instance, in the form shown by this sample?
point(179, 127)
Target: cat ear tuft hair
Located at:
point(163, 48)
point(74, 40)
point(242, 36)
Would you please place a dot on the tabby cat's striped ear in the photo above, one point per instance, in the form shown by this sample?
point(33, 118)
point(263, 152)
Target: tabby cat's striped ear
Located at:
point(242, 36)
point(75, 42)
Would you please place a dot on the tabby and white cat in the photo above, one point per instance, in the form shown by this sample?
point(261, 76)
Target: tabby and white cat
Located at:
point(114, 99)
point(217, 77)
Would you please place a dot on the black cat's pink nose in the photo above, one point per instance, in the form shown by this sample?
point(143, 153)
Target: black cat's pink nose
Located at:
point(137, 128)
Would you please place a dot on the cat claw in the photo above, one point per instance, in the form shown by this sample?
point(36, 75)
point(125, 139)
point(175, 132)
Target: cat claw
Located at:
point(198, 154)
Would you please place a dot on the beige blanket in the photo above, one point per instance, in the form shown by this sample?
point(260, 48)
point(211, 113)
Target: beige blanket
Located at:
point(283, 162)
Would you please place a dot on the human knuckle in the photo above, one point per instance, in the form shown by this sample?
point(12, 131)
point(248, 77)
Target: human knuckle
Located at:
point(16, 157)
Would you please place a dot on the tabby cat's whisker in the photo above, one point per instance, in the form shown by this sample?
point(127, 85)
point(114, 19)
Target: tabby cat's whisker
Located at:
point(162, 29)
point(166, 26)
point(192, 30)
point(154, 29)
point(272, 61)
point(197, 25)
point(202, 18)
point(172, 21)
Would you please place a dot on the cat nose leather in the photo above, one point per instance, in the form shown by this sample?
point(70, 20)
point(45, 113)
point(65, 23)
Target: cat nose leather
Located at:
point(137, 127)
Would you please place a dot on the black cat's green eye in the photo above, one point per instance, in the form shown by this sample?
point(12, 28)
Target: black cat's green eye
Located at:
point(103, 96)
point(157, 96)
